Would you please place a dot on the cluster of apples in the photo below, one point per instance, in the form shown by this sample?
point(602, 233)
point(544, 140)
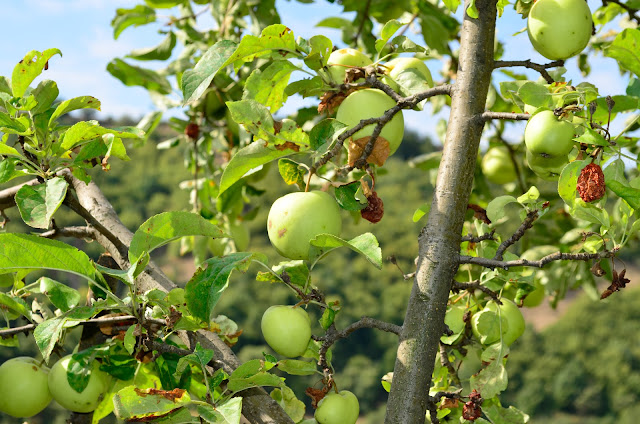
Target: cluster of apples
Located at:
point(27, 387)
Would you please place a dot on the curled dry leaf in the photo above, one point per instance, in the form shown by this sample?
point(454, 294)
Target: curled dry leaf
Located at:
point(619, 282)
point(374, 210)
point(591, 184)
point(378, 156)
point(330, 100)
point(316, 395)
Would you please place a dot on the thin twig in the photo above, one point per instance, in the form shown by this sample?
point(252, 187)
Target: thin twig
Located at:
point(365, 16)
point(475, 285)
point(526, 224)
point(76, 232)
point(542, 69)
point(477, 239)
point(558, 256)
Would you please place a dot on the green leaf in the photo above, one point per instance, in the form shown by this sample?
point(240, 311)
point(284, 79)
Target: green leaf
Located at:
point(297, 367)
point(591, 213)
point(160, 52)
point(130, 339)
point(267, 86)
point(625, 49)
point(88, 130)
point(229, 412)
point(166, 227)
point(496, 208)
point(452, 5)
point(491, 380)
point(133, 403)
point(365, 244)
point(195, 82)
point(45, 94)
point(28, 69)
point(14, 125)
point(8, 170)
point(297, 271)
point(327, 318)
point(387, 32)
point(592, 137)
point(288, 401)
point(135, 76)
point(291, 172)
point(139, 15)
point(568, 181)
point(246, 159)
point(76, 103)
point(206, 286)
point(15, 305)
point(346, 196)
point(255, 118)
point(629, 194)
point(61, 296)
point(326, 131)
point(24, 251)
point(318, 56)
point(421, 211)
point(200, 357)
point(411, 81)
point(164, 4)
point(47, 334)
point(275, 38)
point(238, 382)
point(8, 150)
point(38, 203)
point(499, 415)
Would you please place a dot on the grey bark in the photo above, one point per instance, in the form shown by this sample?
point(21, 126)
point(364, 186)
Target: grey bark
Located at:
point(439, 240)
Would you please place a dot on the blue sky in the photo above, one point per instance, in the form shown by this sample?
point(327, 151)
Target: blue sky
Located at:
point(81, 30)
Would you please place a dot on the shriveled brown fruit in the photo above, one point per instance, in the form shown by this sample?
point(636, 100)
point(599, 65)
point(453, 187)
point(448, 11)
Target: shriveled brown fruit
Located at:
point(374, 210)
point(591, 184)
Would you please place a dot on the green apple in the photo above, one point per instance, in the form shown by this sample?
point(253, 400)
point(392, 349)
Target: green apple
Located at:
point(286, 329)
point(547, 168)
point(498, 322)
point(497, 165)
point(24, 391)
point(559, 29)
point(548, 135)
point(338, 408)
point(372, 103)
point(470, 364)
point(399, 65)
point(67, 397)
point(341, 60)
point(297, 218)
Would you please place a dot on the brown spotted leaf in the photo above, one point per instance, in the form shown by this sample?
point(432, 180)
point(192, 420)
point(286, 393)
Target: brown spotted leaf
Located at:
point(378, 156)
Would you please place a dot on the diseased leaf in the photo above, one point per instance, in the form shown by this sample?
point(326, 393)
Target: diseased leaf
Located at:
point(47, 334)
point(38, 203)
point(288, 401)
point(229, 412)
point(291, 172)
point(28, 69)
point(133, 403)
point(491, 380)
point(267, 86)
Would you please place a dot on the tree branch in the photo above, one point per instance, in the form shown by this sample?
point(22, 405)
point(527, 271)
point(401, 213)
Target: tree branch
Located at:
point(487, 116)
point(475, 285)
point(87, 232)
point(631, 11)
point(542, 69)
point(477, 239)
point(558, 256)
point(526, 224)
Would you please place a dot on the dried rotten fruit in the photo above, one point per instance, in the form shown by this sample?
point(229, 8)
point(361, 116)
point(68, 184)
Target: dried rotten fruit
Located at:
point(374, 210)
point(591, 184)
point(192, 130)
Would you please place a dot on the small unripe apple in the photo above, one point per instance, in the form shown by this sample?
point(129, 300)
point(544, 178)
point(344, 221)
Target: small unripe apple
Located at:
point(497, 165)
point(372, 103)
point(24, 390)
point(559, 29)
point(338, 408)
point(548, 135)
point(401, 64)
point(286, 329)
point(547, 168)
point(83, 402)
point(297, 218)
point(343, 59)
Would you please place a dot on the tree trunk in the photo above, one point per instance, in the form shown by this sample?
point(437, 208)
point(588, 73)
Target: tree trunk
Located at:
point(439, 240)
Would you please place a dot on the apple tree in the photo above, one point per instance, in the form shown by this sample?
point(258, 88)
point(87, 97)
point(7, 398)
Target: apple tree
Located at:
point(541, 213)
